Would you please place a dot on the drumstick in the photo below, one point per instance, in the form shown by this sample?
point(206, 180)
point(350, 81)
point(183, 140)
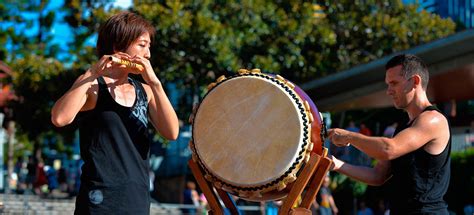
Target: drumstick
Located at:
point(126, 63)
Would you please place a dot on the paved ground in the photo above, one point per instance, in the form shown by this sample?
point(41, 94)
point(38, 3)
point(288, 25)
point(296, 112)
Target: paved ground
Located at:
point(34, 205)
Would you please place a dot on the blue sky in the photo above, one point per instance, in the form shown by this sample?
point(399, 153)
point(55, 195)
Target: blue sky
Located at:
point(62, 34)
point(60, 31)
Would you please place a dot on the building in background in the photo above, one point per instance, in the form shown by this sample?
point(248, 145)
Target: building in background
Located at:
point(460, 11)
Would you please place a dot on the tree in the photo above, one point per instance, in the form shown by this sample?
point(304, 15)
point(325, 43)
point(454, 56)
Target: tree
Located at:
point(19, 19)
point(84, 18)
point(368, 30)
point(30, 55)
point(198, 41)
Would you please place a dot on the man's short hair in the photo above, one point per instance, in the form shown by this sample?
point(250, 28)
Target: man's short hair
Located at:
point(120, 31)
point(411, 65)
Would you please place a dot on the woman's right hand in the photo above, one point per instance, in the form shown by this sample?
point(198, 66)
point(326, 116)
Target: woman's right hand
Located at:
point(100, 66)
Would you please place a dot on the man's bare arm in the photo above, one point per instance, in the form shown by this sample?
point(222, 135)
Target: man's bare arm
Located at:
point(374, 176)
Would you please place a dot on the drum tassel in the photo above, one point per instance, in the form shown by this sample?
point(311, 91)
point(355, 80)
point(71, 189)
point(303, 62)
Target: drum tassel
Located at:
point(221, 78)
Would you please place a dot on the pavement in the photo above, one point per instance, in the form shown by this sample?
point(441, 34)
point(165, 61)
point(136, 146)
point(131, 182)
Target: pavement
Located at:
point(58, 204)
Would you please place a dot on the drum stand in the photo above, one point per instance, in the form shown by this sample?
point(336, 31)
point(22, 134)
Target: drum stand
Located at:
point(310, 177)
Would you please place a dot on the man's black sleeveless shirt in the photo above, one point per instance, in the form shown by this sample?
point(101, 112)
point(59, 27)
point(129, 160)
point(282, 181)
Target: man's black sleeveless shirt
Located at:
point(420, 180)
point(115, 148)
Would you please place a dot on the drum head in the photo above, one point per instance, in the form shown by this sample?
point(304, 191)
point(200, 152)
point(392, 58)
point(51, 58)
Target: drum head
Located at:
point(248, 131)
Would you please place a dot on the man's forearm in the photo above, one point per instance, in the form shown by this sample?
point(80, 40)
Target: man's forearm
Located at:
point(364, 174)
point(375, 147)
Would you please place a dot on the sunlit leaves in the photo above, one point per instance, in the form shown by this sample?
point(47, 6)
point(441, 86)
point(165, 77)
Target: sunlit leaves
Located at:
point(197, 41)
point(369, 30)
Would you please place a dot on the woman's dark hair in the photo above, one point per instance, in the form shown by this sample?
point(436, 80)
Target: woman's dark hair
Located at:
point(120, 31)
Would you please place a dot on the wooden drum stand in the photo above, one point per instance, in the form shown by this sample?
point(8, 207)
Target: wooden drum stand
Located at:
point(310, 177)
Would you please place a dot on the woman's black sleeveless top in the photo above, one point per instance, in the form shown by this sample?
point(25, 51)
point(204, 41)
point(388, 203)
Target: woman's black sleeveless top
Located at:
point(115, 148)
point(420, 180)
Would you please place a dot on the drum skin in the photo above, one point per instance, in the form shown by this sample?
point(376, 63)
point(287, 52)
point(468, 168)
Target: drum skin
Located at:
point(252, 133)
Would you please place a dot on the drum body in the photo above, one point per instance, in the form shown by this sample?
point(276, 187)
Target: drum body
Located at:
point(252, 133)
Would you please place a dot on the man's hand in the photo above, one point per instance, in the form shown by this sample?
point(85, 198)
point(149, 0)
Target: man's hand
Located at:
point(336, 163)
point(339, 137)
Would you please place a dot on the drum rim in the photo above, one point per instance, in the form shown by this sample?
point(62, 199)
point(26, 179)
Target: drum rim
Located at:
point(301, 155)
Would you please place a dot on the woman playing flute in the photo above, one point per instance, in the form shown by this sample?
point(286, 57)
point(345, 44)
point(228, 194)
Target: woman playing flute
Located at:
point(113, 111)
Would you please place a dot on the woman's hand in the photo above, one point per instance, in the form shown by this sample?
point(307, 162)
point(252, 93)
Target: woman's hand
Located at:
point(99, 68)
point(148, 73)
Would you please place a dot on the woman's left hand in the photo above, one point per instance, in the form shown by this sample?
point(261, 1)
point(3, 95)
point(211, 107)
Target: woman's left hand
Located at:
point(148, 73)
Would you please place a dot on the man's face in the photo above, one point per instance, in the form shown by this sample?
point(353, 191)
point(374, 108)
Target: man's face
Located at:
point(400, 89)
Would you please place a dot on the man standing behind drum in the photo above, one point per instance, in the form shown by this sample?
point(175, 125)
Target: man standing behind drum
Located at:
point(416, 160)
point(113, 110)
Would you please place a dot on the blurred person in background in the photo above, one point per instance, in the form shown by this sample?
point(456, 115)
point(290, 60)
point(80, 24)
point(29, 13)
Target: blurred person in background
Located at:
point(365, 130)
point(190, 198)
point(389, 130)
point(40, 178)
point(327, 206)
point(363, 209)
point(31, 175)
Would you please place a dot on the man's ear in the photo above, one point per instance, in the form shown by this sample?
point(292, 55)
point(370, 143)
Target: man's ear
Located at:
point(416, 80)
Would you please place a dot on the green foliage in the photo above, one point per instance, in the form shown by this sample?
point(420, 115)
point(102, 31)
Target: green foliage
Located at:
point(21, 146)
point(39, 77)
point(198, 41)
point(84, 18)
point(461, 186)
point(367, 30)
point(18, 29)
point(342, 183)
point(35, 83)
